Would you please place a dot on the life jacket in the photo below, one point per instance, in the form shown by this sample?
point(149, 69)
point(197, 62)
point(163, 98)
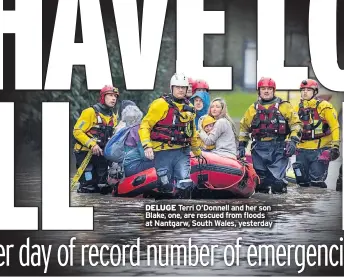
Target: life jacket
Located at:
point(101, 131)
point(269, 122)
point(314, 127)
point(171, 129)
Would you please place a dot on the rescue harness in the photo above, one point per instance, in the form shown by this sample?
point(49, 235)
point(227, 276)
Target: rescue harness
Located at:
point(314, 127)
point(102, 131)
point(269, 122)
point(171, 130)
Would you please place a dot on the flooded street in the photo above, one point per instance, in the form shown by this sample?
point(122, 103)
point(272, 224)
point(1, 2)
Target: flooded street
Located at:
point(303, 216)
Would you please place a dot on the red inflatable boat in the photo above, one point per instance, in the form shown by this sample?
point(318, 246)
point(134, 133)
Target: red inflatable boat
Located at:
point(213, 176)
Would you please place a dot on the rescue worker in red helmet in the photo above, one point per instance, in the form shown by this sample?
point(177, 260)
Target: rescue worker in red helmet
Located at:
point(189, 91)
point(92, 131)
point(199, 85)
point(320, 138)
point(275, 129)
point(168, 133)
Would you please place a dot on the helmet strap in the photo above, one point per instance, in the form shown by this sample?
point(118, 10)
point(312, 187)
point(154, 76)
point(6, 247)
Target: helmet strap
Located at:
point(315, 92)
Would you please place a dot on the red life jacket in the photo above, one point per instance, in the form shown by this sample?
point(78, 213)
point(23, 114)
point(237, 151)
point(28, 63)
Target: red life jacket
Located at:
point(314, 127)
point(102, 131)
point(269, 122)
point(171, 130)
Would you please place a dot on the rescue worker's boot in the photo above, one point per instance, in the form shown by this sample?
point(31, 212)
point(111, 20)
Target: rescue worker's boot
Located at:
point(183, 193)
point(279, 187)
point(339, 185)
point(105, 188)
point(88, 181)
point(164, 185)
point(300, 175)
point(103, 185)
point(304, 185)
point(86, 188)
point(184, 188)
point(264, 186)
point(319, 184)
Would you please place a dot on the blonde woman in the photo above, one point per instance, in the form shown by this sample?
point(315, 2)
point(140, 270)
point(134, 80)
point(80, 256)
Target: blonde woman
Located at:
point(224, 134)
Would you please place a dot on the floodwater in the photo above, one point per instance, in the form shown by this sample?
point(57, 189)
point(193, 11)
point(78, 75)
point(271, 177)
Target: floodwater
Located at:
point(303, 216)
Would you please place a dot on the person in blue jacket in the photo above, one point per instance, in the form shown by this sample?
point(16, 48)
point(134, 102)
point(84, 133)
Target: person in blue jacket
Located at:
point(200, 99)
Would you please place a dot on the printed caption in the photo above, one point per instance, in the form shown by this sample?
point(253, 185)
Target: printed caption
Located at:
point(205, 215)
point(233, 251)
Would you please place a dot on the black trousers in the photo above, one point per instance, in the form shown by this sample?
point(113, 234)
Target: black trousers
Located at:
point(96, 170)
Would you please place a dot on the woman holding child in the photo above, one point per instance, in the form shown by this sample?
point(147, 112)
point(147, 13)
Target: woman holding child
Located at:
point(222, 134)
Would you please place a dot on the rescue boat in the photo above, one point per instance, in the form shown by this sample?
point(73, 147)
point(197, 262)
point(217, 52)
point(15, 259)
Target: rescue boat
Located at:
point(214, 177)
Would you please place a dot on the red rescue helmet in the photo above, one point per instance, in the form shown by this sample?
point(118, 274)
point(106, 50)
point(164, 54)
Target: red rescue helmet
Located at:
point(107, 90)
point(199, 84)
point(266, 82)
point(309, 83)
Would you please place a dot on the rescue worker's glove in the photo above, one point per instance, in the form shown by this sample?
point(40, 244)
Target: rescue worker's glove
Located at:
point(334, 153)
point(290, 146)
point(242, 149)
point(325, 156)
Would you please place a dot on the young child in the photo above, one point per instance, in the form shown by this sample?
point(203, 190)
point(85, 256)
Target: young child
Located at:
point(208, 125)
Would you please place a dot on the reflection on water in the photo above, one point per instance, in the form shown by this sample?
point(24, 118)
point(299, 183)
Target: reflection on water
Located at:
point(304, 215)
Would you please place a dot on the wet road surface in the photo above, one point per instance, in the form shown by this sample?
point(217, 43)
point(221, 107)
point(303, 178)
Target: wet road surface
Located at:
point(303, 216)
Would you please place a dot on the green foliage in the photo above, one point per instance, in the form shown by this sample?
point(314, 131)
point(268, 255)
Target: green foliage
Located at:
point(80, 97)
point(237, 101)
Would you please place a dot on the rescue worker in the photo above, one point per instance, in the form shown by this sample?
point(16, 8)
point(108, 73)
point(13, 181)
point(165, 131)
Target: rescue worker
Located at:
point(275, 129)
point(92, 131)
point(168, 133)
point(320, 137)
point(200, 99)
point(189, 91)
point(199, 85)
